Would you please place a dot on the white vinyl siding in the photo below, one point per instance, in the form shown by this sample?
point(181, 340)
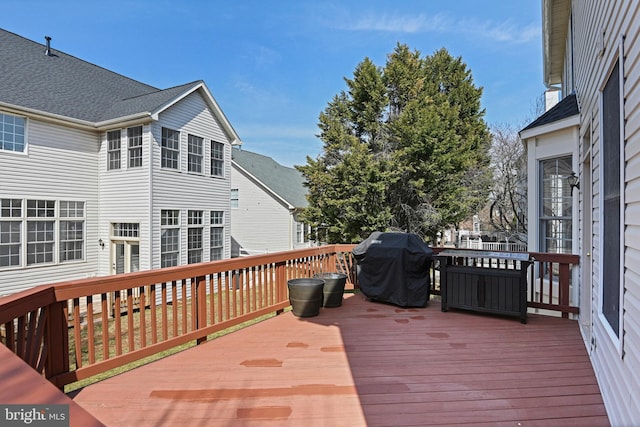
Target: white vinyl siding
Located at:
point(263, 223)
point(598, 29)
point(71, 165)
point(190, 191)
point(62, 165)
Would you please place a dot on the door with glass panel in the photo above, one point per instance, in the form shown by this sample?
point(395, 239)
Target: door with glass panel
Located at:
point(125, 257)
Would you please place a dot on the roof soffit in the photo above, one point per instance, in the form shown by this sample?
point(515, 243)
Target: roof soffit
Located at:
point(555, 25)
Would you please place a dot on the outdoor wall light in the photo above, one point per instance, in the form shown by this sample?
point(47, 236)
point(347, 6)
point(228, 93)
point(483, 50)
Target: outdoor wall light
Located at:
point(101, 243)
point(574, 181)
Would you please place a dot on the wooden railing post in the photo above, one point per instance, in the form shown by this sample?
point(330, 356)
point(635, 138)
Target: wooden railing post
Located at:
point(56, 341)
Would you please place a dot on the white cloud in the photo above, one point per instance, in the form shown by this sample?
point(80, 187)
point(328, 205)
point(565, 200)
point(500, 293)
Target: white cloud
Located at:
point(399, 24)
point(504, 32)
point(501, 32)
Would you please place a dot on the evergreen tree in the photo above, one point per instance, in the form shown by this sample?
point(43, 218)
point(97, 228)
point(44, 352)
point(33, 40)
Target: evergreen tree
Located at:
point(406, 148)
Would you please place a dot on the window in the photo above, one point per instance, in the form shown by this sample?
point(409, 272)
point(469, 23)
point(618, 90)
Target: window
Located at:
point(195, 146)
point(194, 237)
point(299, 232)
point(134, 147)
point(113, 150)
point(556, 205)
point(216, 235)
point(612, 222)
point(235, 198)
point(71, 231)
point(125, 229)
point(169, 238)
point(10, 232)
point(170, 148)
point(217, 158)
point(40, 231)
point(12, 133)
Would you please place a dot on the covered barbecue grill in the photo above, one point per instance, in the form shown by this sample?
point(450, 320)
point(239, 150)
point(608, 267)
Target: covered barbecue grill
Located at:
point(394, 268)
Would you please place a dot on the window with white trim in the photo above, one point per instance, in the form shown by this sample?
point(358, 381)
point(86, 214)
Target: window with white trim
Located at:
point(217, 158)
point(10, 232)
point(196, 148)
point(216, 235)
point(169, 237)
point(194, 236)
point(134, 146)
point(40, 231)
point(556, 230)
point(235, 198)
point(170, 152)
point(37, 231)
point(12, 130)
point(299, 232)
point(113, 149)
point(130, 230)
point(71, 231)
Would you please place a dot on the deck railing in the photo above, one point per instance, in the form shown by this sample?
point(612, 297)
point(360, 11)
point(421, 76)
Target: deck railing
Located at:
point(74, 330)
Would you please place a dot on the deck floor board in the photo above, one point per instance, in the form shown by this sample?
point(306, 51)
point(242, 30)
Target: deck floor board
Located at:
point(365, 364)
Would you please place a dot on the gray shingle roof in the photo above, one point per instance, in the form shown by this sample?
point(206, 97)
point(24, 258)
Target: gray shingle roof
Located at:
point(568, 107)
point(67, 86)
point(286, 182)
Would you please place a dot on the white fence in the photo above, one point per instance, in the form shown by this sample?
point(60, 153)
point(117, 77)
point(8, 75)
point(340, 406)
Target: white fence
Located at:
point(492, 246)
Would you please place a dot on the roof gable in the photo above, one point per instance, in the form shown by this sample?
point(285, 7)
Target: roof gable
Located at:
point(287, 183)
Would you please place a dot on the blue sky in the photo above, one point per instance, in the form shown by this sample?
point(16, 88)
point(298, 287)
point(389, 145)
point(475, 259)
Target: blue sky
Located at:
point(274, 65)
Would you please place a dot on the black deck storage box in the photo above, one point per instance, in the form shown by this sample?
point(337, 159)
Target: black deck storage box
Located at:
point(473, 283)
point(394, 268)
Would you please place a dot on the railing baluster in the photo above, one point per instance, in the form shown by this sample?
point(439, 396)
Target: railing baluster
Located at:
point(142, 316)
point(174, 307)
point(90, 331)
point(153, 313)
point(117, 324)
point(105, 325)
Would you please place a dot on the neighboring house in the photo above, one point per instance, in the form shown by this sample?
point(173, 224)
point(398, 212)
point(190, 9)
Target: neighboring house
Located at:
point(265, 200)
point(591, 54)
point(102, 174)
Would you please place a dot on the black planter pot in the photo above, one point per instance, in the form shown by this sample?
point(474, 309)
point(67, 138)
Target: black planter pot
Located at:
point(333, 288)
point(305, 296)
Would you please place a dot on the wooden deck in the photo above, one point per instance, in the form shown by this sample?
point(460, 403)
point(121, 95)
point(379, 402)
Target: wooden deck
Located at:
point(365, 364)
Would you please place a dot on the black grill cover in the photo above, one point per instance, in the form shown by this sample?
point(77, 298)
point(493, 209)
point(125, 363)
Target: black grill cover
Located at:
point(394, 268)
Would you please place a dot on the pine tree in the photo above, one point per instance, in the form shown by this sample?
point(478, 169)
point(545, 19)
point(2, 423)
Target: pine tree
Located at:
point(406, 148)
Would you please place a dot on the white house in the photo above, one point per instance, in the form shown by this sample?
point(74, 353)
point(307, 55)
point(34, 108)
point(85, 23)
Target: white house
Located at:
point(592, 54)
point(265, 201)
point(102, 174)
